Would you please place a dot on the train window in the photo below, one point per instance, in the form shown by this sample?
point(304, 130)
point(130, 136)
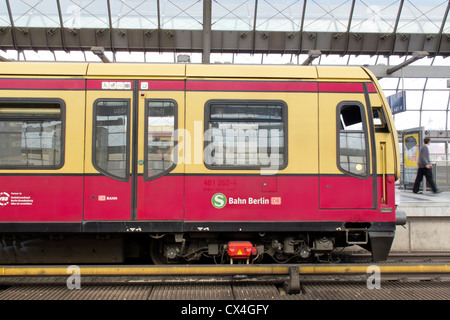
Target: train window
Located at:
point(160, 126)
point(352, 139)
point(32, 133)
point(379, 119)
point(111, 138)
point(245, 135)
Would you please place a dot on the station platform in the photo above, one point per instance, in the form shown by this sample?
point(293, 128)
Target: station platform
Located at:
point(404, 197)
point(428, 222)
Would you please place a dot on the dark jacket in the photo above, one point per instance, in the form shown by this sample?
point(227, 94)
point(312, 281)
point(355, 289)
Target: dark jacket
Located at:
point(424, 157)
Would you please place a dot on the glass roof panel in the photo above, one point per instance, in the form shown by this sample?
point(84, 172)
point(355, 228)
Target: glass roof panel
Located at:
point(375, 16)
point(332, 59)
point(247, 58)
point(441, 61)
point(35, 13)
point(81, 13)
point(10, 54)
point(433, 120)
point(389, 83)
point(41, 55)
point(222, 57)
point(412, 83)
point(362, 60)
point(394, 60)
point(330, 15)
point(70, 56)
point(279, 15)
point(447, 25)
point(422, 16)
point(181, 14)
point(130, 56)
point(407, 120)
point(413, 99)
point(233, 15)
point(4, 16)
point(435, 100)
point(436, 83)
point(134, 14)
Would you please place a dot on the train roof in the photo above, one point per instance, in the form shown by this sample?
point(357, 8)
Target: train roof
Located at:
point(183, 70)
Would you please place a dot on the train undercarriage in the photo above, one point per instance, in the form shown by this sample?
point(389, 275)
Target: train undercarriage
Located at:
point(182, 248)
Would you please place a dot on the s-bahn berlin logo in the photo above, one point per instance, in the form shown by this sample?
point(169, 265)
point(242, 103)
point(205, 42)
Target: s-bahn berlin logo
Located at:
point(219, 200)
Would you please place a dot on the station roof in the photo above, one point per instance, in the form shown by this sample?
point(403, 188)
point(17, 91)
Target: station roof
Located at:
point(240, 26)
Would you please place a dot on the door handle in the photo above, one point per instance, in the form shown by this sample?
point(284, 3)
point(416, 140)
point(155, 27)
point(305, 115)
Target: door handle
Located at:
point(383, 169)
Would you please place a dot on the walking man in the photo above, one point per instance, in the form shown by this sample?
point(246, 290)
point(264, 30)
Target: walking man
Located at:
point(424, 168)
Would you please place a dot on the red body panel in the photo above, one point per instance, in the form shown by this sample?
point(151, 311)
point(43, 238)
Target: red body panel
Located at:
point(106, 199)
point(41, 198)
point(161, 199)
point(346, 193)
point(296, 199)
point(249, 198)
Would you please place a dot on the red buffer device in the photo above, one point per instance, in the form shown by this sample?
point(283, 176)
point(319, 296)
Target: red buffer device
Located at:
point(241, 249)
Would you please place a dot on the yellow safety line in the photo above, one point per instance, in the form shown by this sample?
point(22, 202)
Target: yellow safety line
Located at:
point(213, 270)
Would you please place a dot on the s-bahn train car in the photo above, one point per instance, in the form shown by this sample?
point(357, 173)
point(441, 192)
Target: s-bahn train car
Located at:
point(179, 163)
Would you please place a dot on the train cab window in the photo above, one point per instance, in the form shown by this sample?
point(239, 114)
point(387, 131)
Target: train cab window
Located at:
point(32, 133)
point(245, 135)
point(379, 120)
point(160, 126)
point(352, 139)
point(111, 138)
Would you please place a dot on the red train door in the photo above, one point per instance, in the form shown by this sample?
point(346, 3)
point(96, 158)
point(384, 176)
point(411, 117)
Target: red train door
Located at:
point(132, 172)
point(161, 154)
point(108, 182)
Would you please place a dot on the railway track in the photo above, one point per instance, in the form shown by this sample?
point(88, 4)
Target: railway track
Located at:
point(311, 290)
point(399, 278)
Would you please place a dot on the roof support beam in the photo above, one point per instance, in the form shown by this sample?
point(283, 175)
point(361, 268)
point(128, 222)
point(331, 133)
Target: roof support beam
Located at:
point(380, 71)
point(349, 24)
point(13, 28)
point(100, 52)
point(207, 12)
point(397, 20)
point(302, 22)
point(111, 34)
point(312, 54)
point(415, 56)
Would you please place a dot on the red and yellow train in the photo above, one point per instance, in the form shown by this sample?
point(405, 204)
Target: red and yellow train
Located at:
point(106, 162)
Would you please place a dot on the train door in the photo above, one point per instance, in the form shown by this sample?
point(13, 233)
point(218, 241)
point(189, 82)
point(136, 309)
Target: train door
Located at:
point(161, 153)
point(131, 153)
point(347, 176)
point(109, 180)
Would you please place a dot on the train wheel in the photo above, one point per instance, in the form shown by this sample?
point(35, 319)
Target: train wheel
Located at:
point(157, 252)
